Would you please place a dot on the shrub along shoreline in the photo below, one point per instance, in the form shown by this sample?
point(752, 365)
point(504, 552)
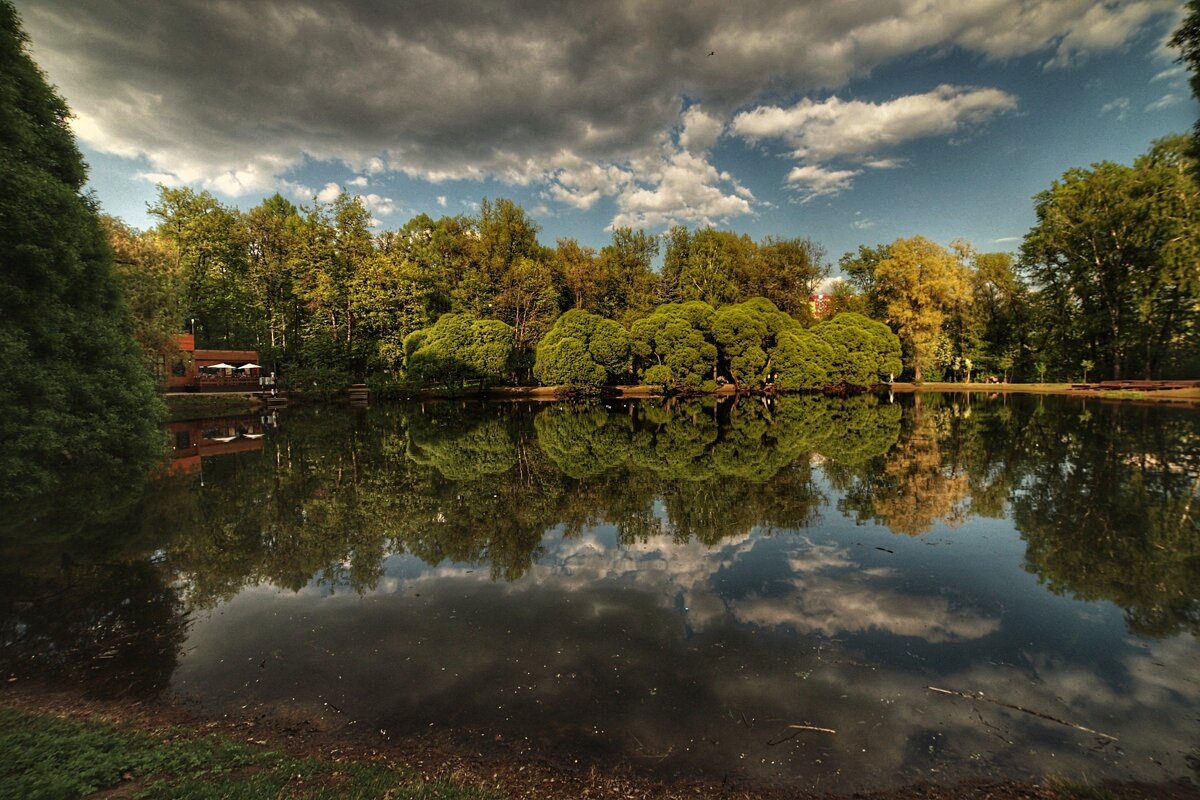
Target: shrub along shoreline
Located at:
point(680, 348)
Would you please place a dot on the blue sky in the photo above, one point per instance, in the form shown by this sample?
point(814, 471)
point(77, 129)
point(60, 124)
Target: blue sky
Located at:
point(854, 122)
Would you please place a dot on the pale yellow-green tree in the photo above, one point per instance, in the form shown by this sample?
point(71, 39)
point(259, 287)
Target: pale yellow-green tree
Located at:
point(918, 282)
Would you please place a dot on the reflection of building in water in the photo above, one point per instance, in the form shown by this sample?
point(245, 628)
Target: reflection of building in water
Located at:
point(193, 370)
point(200, 438)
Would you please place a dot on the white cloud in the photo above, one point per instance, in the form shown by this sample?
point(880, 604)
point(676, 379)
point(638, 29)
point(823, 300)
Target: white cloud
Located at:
point(580, 183)
point(856, 129)
point(358, 180)
point(1171, 73)
point(685, 189)
point(329, 193)
point(814, 181)
point(381, 206)
point(827, 285)
point(1119, 105)
point(1105, 26)
point(441, 200)
point(820, 132)
point(700, 130)
point(1166, 101)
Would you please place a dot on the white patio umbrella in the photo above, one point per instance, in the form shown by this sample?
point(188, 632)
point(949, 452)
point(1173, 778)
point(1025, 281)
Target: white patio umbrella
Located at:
point(249, 366)
point(222, 365)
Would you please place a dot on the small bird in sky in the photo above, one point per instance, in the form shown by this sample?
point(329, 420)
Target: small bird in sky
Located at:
point(712, 52)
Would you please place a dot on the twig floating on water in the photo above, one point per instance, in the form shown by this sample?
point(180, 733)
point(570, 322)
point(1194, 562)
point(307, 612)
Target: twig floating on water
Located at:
point(795, 730)
point(1037, 714)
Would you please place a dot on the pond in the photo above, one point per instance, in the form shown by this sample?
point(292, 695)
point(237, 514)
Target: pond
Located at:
point(841, 593)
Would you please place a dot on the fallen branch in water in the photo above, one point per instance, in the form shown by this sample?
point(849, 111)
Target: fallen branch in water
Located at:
point(795, 730)
point(1037, 714)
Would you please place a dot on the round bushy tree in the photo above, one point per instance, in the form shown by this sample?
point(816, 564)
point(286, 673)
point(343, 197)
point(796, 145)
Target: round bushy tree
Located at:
point(864, 351)
point(582, 351)
point(458, 348)
point(745, 334)
point(801, 360)
point(671, 347)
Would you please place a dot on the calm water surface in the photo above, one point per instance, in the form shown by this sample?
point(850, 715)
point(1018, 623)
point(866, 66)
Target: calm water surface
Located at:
point(664, 587)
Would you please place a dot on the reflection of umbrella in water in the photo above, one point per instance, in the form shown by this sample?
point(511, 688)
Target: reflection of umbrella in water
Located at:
point(249, 366)
point(223, 438)
point(252, 435)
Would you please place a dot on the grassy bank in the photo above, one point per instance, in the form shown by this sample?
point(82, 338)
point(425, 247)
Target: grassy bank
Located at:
point(60, 746)
point(201, 406)
point(48, 757)
point(1171, 395)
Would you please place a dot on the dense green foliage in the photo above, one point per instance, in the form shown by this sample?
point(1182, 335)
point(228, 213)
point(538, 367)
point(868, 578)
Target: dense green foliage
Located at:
point(582, 351)
point(48, 758)
point(327, 300)
point(864, 351)
point(458, 348)
point(1114, 254)
point(672, 349)
point(1107, 283)
point(77, 404)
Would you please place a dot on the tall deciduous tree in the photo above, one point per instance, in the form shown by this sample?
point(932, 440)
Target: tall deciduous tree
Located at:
point(145, 267)
point(1113, 255)
point(918, 282)
point(272, 229)
point(631, 284)
point(789, 271)
point(210, 254)
point(1186, 40)
point(78, 412)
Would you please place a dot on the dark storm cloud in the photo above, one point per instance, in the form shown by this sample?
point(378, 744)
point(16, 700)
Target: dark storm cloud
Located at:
point(233, 94)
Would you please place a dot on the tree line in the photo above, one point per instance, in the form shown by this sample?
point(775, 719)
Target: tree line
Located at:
point(1105, 285)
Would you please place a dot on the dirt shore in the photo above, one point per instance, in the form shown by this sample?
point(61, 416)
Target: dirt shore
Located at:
point(509, 767)
point(1168, 395)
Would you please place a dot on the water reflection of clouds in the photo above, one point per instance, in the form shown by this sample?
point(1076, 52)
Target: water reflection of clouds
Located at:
point(826, 592)
point(460, 649)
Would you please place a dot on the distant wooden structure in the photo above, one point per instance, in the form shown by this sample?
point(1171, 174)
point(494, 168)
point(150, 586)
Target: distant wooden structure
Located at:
point(359, 394)
point(194, 370)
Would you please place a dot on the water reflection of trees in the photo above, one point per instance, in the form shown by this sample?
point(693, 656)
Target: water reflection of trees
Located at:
point(115, 630)
point(1104, 495)
point(1109, 511)
point(332, 493)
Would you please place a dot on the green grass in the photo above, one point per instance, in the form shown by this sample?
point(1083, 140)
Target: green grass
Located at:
point(46, 758)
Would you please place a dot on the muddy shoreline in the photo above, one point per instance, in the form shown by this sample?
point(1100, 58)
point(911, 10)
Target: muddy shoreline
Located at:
point(510, 767)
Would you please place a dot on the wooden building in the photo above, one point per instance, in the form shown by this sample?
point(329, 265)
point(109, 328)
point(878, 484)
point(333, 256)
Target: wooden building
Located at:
point(193, 370)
